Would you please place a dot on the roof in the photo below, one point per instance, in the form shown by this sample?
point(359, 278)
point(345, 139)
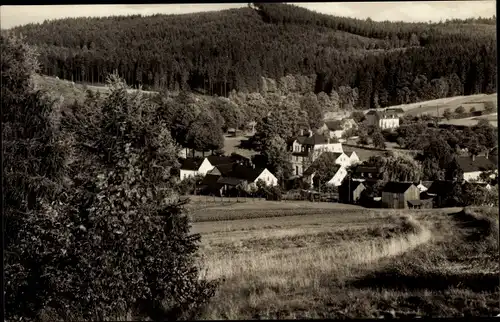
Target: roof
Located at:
point(478, 164)
point(231, 181)
point(383, 114)
point(440, 187)
point(398, 110)
point(217, 160)
point(224, 169)
point(192, 164)
point(426, 184)
point(301, 154)
point(300, 139)
point(210, 180)
point(316, 139)
point(397, 187)
point(367, 169)
point(237, 156)
point(246, 173)
point(334, 125)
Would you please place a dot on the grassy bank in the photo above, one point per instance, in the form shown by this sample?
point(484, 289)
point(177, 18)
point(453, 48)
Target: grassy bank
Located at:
point(358, 265)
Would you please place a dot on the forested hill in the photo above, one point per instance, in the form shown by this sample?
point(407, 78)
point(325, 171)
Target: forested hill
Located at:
point(253, 49)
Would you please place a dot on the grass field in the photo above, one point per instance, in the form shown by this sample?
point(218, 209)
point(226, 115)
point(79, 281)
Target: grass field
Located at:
point(471, 121)
point(336, 261)
point(438, 106)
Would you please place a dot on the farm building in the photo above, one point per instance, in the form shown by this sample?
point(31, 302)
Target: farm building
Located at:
point(196, 166)
point(225, 178)
point(397, 195)
point(439, 191)
point(306, 149)
point(382, 119)
point(364, 172)
point(472, 166)
point(337, 128)
point(350, 191)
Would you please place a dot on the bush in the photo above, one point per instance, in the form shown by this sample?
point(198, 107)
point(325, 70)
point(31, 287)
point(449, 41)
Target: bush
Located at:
point(460, 110)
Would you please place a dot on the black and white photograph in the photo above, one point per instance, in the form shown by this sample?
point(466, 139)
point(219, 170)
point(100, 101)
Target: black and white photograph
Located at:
point(249, 161)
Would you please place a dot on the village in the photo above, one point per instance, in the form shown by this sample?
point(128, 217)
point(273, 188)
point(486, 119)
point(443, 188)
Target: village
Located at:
point(331, 151)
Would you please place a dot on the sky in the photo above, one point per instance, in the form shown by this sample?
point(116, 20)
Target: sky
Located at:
point(416, 11)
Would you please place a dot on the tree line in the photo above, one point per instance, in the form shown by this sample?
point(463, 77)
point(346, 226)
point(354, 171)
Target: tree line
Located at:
point(386, 63)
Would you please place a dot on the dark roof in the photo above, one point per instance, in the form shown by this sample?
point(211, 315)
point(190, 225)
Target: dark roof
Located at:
point(239, 157)
point(246, 173)
point(225, 169)
point(217, 160)
point(426, 184)
point(231, 181)
point(334, 125)
point(210, 180)
point(192, 164)
point(383, 114)
point(397, 187)
point(398, 110)
point(316, 139)
point(478, 164)
point(301, 139)
point(440, 187)
point(367, 169)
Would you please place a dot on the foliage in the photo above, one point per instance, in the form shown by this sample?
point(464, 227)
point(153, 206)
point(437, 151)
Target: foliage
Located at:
point(397, 167)
point(114, 241)
point(447, 114)
point(324, 168)
point(277, 158)
point(460, 110)
point(378, 139)
point(364, 63)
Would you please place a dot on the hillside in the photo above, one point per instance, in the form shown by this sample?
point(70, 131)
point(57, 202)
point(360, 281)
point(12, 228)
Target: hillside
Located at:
point(365, 63)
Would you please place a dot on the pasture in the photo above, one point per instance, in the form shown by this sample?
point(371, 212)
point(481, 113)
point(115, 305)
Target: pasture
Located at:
point(471, 121)
point(283, 260)
point(434, 107)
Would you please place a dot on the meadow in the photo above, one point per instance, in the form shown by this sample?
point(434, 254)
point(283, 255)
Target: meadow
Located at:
point(280, 260)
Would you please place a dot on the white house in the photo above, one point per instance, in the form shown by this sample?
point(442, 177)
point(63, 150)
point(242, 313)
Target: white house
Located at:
point(342, 161)
point(472, 167)
point(387, 119)
point(354, 159)
point(337, 128)
point(266, 176)
point(306, 149)
point(227, 176)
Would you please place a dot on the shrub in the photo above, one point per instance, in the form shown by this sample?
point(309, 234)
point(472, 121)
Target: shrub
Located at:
point(460, 110)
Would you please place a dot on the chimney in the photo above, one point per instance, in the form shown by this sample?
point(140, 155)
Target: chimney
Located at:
point(302, 132)
point(487, 154)
point(310, 133)
point(473, 157)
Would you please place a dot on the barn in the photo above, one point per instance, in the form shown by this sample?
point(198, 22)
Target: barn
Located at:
point(397, 195)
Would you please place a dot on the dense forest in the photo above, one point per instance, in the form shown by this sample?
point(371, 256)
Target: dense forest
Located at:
point(275, 48)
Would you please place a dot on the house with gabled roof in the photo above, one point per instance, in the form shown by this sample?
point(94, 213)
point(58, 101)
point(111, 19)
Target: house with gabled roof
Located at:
point(341, 160)
point(225, 177)
point(305, 150)
point(472, 166)
point(385, 119)
point(191, 167)
point(400, 195)
point(337, 128)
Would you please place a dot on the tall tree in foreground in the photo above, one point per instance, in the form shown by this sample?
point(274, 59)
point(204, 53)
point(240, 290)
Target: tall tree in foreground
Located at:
point(115, 245)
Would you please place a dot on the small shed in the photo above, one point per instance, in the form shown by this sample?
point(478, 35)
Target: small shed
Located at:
point(396, 195)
